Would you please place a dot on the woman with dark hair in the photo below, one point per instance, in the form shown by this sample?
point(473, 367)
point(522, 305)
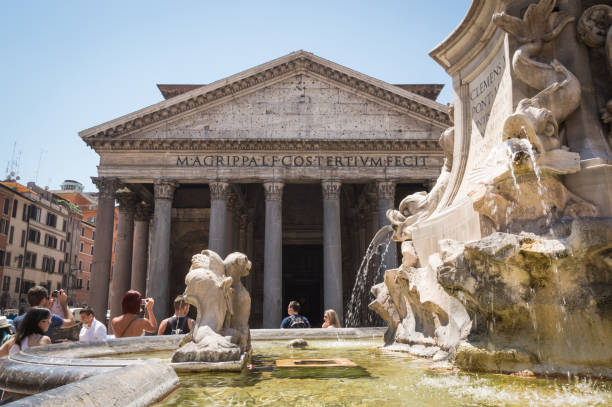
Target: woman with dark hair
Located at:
point(129, 323)
point(31, 331)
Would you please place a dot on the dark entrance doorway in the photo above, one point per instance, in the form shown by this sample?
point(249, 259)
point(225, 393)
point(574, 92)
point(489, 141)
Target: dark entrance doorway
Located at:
point(303, 280)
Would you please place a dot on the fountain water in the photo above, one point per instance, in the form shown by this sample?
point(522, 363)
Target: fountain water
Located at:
point(369, 273)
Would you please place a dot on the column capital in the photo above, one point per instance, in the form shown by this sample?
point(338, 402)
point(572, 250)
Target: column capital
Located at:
point(385, 189)
point(219, 189)
point(273, 190)
point(164, 189)
point(331, 188)
point(127, 200)
point(107, 186)
point(144, 211)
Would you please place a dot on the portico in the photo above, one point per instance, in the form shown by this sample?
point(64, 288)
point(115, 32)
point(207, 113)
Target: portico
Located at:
point(298, 155)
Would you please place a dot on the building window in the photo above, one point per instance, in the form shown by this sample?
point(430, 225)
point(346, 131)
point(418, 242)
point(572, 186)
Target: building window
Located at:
point(17, 284)
point(51, 241)
point(68, 237)
point(12, 232)
point(90, 267)
point(88, 284)
point(51, 219)
point(35, 213)
point(2, 254)
point(23, 234)
point(80, 265)
point(20, 261)
point(64, 225)
point(82, 231)
point(30, 260)
point(8, 259)
point(15, 207)
point(4, 226)
point(82, 247)
point(59, 285)
point(93, 235)
point(48, 264)
point(91, 251)
point(7, 204)
point(34, 236)
point(6, 283)
point(24, 215)
point(91, 219)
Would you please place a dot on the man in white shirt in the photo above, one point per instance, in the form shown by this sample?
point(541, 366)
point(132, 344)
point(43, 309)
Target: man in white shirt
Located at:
point(93, 330)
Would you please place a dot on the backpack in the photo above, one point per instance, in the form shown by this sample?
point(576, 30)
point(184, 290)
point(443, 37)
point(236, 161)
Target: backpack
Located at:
point(297, 322)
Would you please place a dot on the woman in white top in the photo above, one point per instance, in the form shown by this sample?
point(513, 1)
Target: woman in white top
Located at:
point(31, 332)
point(330, 319)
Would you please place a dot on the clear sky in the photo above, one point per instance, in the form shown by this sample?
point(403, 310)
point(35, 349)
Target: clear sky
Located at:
point(69, 65)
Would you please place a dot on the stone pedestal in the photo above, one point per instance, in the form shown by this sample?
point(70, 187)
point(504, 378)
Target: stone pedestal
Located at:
point(219, 193)
point(122, 270)
point(332, 253)
point(105, 217)
point(386, 200)
point(140, 255)
point(157, 282)
point(273, 255)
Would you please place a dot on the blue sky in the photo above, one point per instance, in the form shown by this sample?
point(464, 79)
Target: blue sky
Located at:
point(70, 65)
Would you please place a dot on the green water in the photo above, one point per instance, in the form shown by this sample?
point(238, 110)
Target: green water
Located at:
point(383, 379)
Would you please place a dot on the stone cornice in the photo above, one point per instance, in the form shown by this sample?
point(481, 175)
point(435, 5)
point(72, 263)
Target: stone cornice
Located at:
point(266, 145)
point(470, 37)
point(263, 75)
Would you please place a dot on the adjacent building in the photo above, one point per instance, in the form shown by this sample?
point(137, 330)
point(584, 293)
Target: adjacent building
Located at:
point(294, 162)
point(42, 243)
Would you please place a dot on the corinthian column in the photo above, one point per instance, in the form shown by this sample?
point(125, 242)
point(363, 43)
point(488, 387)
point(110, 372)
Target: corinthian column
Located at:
point(273, 255)
point(386, 200)
point(332, 253)
point(219, 193)
point(140, 255)
point(122, 271)
point(157, 283)
point(105, 218)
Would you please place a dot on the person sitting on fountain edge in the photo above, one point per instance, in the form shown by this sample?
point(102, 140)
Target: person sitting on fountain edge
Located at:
point(294, 320)
point(129, 323)
point(180, 323)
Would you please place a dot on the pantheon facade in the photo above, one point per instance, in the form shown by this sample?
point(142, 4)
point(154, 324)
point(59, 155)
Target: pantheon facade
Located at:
point(293, 162)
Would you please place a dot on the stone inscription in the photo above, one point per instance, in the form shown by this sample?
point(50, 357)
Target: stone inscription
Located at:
point(483, 90)
point(297, 161)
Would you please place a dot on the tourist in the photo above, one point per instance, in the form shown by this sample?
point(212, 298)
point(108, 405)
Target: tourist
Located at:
point(295, 320)
point(5, 330)
point(38, 296)
point(31, 332)
point(129, 323)
point(330, 319)
point(180, 323)
point(93, 330)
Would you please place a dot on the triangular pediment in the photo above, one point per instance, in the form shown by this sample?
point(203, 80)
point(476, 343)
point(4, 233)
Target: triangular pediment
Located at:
point(295, 88)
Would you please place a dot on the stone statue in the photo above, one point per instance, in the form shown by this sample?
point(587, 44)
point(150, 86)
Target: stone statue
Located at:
point(236, 323)
point(418, 206)
point(531, 173)
point(538, 118)
point(595, 31)
point(221, 331)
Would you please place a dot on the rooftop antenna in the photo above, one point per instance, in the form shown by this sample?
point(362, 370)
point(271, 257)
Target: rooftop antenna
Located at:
point(42, 151)
point(12, 167)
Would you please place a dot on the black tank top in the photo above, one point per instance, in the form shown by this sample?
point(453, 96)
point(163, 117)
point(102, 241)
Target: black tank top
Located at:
point(182, 323)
